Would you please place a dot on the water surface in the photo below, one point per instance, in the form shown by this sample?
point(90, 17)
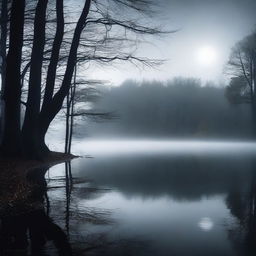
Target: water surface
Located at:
point(158, 198)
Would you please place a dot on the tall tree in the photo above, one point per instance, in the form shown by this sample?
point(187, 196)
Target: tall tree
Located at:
point(242, 68)
point(11, 143)
point(3, 49)
point(92, 32)
point(242, 62)
point(30, 129)
point(54, 106)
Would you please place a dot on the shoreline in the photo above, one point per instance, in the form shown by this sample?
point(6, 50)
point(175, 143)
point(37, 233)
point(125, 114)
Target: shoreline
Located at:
point(15, 164)
point(14, 186)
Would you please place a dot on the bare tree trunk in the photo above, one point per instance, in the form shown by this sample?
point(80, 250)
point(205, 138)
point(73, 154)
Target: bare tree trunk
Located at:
point(51, 74)
point(30, 136)
point(70, 115)
point(11, 144)
point(73, 93)
point(55, 105)
point(3, 43)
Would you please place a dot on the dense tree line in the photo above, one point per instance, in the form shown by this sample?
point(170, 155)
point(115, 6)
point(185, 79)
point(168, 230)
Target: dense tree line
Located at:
point(181, 107)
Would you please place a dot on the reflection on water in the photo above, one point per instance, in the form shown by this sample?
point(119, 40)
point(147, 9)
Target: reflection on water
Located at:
point(160, 201)
point(206, 224)
point(25, 230)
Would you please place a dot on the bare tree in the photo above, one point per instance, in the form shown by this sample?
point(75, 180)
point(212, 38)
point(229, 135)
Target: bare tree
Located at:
point(242, 68)
point(12, 93)
point(3, 50)
point(81, 92)
point(50, 66)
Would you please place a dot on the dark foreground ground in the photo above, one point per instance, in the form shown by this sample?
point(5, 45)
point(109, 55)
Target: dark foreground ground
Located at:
point(14, 186)
point(22, 192)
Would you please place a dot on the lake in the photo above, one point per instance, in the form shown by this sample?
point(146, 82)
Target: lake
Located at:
point(184, 198)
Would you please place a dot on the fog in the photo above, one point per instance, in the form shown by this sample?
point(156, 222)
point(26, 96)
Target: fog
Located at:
point(160, 147)
point(180, 108)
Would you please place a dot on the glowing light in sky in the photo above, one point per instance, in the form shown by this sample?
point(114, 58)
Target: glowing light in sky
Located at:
point(207, 56)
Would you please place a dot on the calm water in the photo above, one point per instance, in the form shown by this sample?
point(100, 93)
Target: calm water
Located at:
point(156, 198)
point(160, 198)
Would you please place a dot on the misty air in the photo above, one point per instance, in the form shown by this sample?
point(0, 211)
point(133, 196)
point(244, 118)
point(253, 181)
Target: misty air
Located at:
point(127, 127)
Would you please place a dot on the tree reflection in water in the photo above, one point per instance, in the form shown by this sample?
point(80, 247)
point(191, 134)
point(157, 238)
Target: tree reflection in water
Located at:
point(242, 204)
point(41, 229)
point(26, 229)
point(29, 229)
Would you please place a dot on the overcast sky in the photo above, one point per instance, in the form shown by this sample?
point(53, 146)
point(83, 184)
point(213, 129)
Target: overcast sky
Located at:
point(202, 24)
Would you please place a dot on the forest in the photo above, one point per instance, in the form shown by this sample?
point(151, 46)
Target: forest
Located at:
point(179, 108)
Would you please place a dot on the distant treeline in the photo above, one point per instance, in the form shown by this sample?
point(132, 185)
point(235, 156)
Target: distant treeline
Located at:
point(177, 108)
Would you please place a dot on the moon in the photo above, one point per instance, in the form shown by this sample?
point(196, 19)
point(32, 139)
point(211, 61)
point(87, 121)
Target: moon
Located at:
point(206, 56)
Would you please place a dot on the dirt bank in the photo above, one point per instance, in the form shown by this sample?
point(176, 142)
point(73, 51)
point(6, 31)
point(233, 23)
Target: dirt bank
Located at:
point(14, 188)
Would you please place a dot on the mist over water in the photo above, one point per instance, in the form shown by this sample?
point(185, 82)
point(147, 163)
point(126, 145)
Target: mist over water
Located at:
point(166, 147)
point(164, 197)
point(172, 174)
